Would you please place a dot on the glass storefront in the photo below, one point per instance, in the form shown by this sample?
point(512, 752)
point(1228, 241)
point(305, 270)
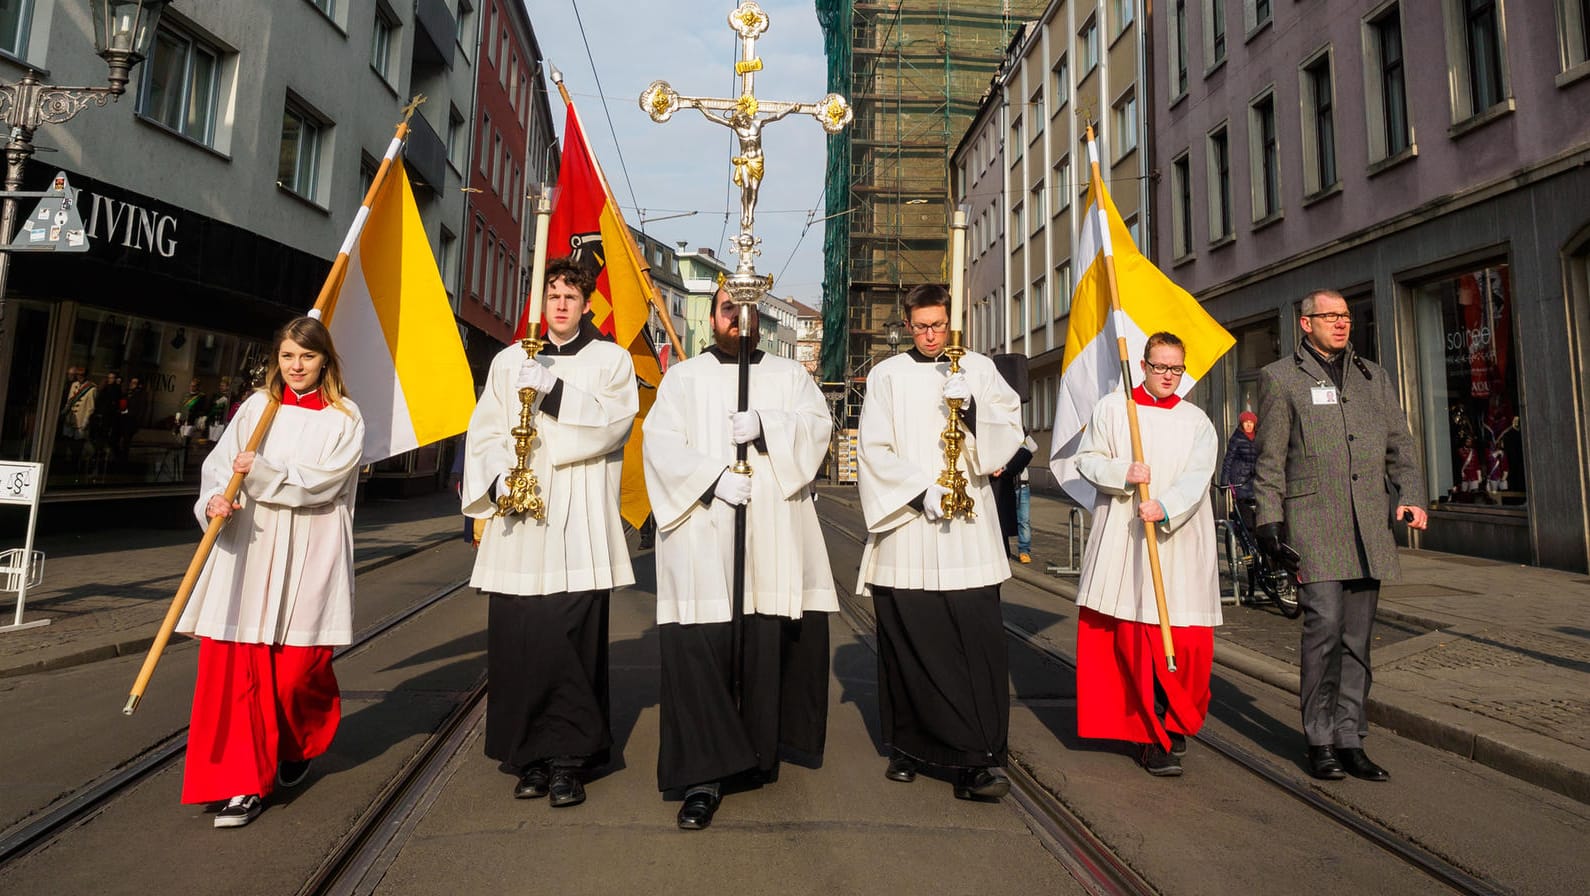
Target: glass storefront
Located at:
point(141, 401)
point(1258, 344)
point(1469, 388)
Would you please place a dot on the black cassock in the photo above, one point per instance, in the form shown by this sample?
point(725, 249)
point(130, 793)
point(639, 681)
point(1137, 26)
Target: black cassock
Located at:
point(546, 668)
point(703, 737)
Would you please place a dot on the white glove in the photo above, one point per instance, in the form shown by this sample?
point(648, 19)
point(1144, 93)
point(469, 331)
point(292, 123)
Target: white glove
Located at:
point(957, 386)
point(733, 488)
point(744, 427)
point(933, 502)
point(535, 376)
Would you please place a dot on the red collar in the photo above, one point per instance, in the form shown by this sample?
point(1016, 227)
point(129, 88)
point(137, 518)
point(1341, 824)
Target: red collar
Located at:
point(311, 402)
point(1141, 396)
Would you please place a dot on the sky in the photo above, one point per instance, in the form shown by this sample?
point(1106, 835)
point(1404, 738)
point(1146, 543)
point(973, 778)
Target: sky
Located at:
point(683, 164)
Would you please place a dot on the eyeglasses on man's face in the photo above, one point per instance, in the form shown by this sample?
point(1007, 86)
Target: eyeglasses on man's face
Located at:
point(1162, 369)
point(937, 327)
point(1331, 317)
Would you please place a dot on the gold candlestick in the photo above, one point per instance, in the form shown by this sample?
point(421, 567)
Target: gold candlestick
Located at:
point(957, 502)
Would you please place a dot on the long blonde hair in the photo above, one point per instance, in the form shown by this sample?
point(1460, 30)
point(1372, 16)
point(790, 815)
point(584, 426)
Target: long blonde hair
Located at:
point(313, 335)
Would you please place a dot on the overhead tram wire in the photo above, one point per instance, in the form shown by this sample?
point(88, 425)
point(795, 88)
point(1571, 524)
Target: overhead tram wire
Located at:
point(595, 76)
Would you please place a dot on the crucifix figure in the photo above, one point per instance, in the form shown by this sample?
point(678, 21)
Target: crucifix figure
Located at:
point(745, 115)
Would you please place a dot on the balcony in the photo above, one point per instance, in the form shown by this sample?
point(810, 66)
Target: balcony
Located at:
point(434, 30)
point(426, 155)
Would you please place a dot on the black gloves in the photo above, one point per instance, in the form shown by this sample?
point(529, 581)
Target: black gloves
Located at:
point(1272, 541)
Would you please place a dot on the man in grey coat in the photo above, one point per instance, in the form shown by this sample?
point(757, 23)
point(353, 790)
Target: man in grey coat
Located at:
point(1336, 469)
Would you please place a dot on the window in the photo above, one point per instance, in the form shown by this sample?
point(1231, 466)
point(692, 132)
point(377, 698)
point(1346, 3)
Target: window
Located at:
point(1178, 49)
point(465, 29)
point(1016, 213)
point(328, 7)
point(455, 136)
point(298, 166)
point(1573, 32)
point(1088, 46)
point(1062, 185)
point(1319, 125)
point(446, 254)
point(1039, 115)
point(1468, 386)
point(1016, 141)
point(477, 263)
point(180, 84)
point(1219, 184)
point(1181, 206)
point(1215, 31)
point(502, 59)
point(1062, 82)
point(1125, 123)
point(16, 20)
point(1255, 14)
point(1062, 290)
point(1035, 209)
point(367, 170)
point(1264, 154)
point(1475, 56)
point(1387, 98)
point(1121, 14)
point(384, 39)
point(1040, 303)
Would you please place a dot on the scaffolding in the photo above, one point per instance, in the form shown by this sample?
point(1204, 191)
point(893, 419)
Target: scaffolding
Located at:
point(914, 72)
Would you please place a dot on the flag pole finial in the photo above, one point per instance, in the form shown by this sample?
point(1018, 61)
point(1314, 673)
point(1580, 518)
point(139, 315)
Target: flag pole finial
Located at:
point(415, 103)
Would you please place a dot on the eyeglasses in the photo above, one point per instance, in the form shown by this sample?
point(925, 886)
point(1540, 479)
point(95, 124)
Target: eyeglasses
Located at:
point(1162, 369)
point(1331, 317)
point(939, 327)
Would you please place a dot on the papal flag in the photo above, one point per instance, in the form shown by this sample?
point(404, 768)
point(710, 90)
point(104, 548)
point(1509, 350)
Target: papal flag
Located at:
point(402, 358)
point(587, 225)
point(1091, 367)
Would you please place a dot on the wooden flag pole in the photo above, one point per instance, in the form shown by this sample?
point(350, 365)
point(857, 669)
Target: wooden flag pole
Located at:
point(645, 269)
point(325, 303)
point(1149, 535)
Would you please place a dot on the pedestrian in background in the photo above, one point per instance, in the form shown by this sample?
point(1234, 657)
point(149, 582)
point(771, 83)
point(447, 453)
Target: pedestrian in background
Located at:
point(1013, 500)
point(266, 701)
point(1242, 452)
point(1337, 467)
point(1125, 689)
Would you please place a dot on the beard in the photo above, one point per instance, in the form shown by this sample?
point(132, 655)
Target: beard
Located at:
point(728, 342)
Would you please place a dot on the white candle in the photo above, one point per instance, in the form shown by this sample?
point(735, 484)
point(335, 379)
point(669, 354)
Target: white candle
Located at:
point(957, 269)
point(538, 267)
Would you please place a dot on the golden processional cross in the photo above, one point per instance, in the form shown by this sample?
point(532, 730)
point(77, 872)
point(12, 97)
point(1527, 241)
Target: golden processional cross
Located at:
point(745, 115)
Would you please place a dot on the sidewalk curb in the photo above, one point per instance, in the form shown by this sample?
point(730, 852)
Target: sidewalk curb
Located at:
point(134, 646)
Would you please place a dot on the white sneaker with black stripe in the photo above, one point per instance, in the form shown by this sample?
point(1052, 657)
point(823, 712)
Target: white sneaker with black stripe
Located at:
point(239, 811)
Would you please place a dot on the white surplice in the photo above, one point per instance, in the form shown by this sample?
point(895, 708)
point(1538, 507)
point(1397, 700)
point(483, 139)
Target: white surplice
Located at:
point(282, 569)
point(1181, 450)
point(902, 453)
point(687, 447)
point(577, 457)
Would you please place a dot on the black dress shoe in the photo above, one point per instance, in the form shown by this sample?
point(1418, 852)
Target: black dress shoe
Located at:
point(565, 789)
point(980, 784)
point(1357, 764)
point(1323, 764)
point(902, 768)
point(1159, 762)
point(696, 813)
point(532, 784)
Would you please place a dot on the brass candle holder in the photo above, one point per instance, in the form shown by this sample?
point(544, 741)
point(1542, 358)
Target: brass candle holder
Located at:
point(524, 492)
point(957, 502)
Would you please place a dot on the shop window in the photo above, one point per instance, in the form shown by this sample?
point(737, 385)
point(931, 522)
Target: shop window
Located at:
point(180, 84)
point(1258, 344)
point(144, 400)
point(1469, 389)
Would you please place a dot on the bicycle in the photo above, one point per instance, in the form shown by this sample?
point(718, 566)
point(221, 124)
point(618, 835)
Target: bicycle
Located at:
point(1248, 566)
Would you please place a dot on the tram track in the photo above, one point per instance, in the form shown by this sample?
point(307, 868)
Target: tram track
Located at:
point(90, 799)
point(1094, 864)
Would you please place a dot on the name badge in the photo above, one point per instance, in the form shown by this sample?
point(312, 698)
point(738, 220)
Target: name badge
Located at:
point(1324, 394)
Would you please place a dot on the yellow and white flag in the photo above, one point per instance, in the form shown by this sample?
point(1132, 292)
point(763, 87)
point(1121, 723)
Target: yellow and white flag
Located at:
point(402, 358)
point(1090, 370)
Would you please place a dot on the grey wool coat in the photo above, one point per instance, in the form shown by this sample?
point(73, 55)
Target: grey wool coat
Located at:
point(1334, 473)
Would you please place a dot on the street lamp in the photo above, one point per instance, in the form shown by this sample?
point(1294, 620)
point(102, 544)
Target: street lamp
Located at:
point(891, 331)
point(123, 33)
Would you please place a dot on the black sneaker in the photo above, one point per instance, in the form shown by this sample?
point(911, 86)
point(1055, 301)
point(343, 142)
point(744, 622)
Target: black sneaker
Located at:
point(291, 773)
point(1157, 761)
point(239, 811)
point(1178, 744)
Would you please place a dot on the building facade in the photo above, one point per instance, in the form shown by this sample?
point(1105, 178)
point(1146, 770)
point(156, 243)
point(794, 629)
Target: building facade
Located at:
point(699, 270)
point(1021, 170)
point(511, 145)
point(808, 337)
point(1429, 161)
point(214, 195)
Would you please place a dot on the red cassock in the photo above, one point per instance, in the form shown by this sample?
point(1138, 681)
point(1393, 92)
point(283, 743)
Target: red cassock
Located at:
point(1123, 660)
point(255, 705)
